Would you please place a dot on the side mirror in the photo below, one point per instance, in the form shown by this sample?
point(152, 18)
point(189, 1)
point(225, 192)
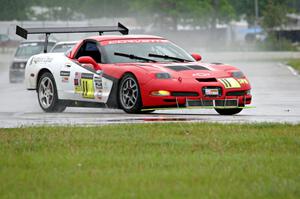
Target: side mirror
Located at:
point(89, 60)
point(196, 56)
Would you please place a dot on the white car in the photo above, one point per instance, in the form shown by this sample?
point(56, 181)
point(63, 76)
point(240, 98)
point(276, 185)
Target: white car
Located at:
point(63, 46)
point(24, 51)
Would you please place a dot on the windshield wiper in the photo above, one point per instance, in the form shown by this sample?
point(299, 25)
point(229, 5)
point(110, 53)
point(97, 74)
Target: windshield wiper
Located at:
point(131, 56)
point(169, 57)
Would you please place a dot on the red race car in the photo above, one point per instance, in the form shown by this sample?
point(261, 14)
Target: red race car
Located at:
point(136, 73)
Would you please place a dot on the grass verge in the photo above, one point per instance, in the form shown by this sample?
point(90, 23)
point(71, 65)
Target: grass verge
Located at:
point(197, 160)
point(295, 63)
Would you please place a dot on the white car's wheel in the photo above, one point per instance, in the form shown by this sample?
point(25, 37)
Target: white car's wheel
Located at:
point(47, 94)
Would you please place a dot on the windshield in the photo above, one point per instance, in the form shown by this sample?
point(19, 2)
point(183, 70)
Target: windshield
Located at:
point(142, 49)
point(62, 48)
point(26, 50)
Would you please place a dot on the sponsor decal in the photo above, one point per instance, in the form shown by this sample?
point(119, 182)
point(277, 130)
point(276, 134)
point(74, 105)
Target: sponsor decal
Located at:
point(42, 59)
point(87, 76)
point(65, 76)
point(126, 41)
point(76, 82)
point(65, 73)
point(98, 94)
point(98, 83)
point(65, 79)
point(230, 83)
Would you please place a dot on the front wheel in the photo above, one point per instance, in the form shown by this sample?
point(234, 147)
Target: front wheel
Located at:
point(129, 94)
point(47, 94)
point(231, 111)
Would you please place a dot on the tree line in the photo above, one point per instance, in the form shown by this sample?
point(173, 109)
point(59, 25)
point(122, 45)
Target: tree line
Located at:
point(165, 13)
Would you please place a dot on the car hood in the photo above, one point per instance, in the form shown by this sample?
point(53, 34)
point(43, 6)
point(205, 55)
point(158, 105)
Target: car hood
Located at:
point(20, 60)
point(188, 70)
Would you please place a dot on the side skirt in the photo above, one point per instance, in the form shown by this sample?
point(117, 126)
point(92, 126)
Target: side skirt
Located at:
point(73, 103)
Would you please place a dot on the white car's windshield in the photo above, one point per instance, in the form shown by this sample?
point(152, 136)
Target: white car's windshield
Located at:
point(26, 50)
point(62, 48)
point(143, 51)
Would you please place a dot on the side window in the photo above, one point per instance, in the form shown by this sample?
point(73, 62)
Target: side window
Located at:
point(89, 48)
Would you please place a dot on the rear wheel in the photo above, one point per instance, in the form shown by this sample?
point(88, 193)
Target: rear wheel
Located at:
point(129, 94)
point(231, 111)
point(47, 94)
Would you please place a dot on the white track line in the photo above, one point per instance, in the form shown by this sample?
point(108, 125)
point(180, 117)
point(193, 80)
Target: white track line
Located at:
point(291, 69)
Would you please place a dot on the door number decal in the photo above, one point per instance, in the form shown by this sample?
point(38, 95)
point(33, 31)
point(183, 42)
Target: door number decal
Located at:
point(87, 88)
point(88, 85)
point(84, 85)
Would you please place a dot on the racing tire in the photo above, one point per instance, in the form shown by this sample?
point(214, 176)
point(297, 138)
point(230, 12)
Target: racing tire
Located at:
point(129, 95)
point(47, 94)
point(231, 111)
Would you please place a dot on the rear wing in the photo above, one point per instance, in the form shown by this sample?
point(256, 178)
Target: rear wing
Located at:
point(23, 32)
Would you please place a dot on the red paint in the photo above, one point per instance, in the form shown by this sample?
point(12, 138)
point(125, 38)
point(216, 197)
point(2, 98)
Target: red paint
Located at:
point(196, 56)
point(89, 60)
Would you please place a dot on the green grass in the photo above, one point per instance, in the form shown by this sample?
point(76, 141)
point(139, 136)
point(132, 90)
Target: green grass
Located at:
point(183, 160)
point(295, 63)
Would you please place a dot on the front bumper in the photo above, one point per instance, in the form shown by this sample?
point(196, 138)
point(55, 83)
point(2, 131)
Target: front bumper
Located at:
point(228, 102)
point(190, 93)
point(16, 75)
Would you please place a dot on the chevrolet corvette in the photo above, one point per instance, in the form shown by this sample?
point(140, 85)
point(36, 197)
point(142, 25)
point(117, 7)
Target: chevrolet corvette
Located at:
point(136, 73)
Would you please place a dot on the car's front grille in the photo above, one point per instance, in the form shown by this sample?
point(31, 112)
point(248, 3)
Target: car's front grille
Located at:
point(186, 67)
point(18, 65)
point(184, 94)
point(214, 103)
point(236, 93)
point(170, 100)
point(197, 67)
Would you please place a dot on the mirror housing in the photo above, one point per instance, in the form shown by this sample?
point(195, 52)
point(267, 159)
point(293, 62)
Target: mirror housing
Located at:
point(196, 56)
point(89, 60)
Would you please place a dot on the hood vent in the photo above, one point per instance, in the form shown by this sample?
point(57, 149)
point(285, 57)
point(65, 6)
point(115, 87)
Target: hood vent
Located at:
point(217, 63)
point(186, 67)
point(206, 79)
point(197, 67)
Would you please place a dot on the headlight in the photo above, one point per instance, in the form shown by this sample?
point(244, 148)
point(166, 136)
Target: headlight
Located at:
point(22, 65)
point(162, 75)
point(237, 74)
point(18, 65)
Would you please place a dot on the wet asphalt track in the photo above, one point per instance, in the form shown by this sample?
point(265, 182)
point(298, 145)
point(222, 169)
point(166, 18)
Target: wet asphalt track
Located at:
point(276, 96)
